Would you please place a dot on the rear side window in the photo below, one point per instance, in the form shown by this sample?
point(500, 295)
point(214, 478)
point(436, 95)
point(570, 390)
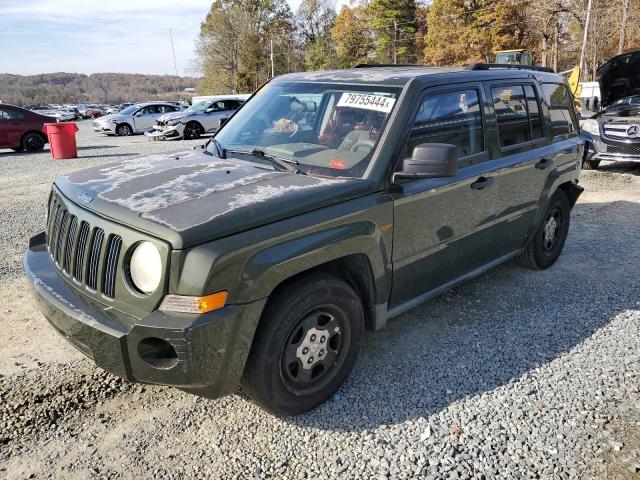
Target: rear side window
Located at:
point(517, 113)
point(451, 117)
point(563, 115)
point(10, 114)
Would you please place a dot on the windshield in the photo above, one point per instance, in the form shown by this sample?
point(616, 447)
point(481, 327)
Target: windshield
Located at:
point(635, 100)
point(129, 110)
point(199, 107)
point(325, 129)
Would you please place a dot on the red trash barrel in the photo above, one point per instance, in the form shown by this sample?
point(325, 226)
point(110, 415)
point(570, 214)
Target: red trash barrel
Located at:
point(62, 139)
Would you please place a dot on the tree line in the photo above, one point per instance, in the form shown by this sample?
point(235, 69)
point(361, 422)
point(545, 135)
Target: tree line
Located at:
point(95, 88)
point(242, 43)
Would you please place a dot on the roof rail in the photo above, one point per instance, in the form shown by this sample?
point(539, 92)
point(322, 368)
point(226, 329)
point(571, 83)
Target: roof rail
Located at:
point(382, 65)
point(492, 66)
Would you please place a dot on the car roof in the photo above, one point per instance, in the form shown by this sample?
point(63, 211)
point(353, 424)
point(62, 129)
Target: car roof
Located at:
point(400, 75)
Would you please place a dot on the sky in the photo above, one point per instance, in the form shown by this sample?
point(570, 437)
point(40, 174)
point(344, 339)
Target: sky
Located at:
point(89, 36)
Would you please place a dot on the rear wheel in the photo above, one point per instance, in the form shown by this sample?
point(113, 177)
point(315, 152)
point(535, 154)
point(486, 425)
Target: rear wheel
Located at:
point(33, 142)
point(547, 243)
point(306, 345)
point(192, 130)
point(123, 130)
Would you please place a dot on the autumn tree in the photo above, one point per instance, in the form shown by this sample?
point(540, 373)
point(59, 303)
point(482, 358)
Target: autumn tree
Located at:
point(234, 44)
point(315, 19)
point(351, 36)
point(394, 27)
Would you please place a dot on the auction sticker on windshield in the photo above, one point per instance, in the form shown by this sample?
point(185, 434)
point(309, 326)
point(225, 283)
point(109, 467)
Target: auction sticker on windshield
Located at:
point(367, 101)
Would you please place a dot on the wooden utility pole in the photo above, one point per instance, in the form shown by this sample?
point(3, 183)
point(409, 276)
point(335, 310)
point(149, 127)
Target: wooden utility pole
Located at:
point(273, 69)
point(586, 34)
point(395, 42)
point(623, 25)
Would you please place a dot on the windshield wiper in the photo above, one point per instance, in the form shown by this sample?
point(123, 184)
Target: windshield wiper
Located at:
point(285, 164)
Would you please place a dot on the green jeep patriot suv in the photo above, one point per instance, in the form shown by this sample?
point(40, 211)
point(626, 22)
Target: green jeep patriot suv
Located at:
point(329, 203)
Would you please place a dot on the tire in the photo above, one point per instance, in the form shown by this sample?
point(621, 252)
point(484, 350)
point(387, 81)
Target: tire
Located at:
point(291, 334)
point(33, 142)
point(590, 164)
point(123, 130)
point(192, 130)
point(546, 245)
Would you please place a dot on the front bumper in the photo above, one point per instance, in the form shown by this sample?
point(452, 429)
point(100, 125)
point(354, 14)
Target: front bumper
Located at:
point(102, 127)
point(210, 349)
point(599, 148)
point(165, 132)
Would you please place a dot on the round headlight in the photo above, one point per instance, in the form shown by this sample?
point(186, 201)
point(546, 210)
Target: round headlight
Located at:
point(146, 267)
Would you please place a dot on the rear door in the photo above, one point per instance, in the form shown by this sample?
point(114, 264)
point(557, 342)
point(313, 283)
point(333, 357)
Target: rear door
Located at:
point(441, 226)
point(522, 152)
point(526, 155)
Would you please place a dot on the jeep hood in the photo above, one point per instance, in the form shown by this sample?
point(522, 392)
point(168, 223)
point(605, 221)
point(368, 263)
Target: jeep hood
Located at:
point(619, 77)
point(191, 197)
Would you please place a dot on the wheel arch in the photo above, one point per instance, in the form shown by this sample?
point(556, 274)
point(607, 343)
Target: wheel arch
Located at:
point(355, 270)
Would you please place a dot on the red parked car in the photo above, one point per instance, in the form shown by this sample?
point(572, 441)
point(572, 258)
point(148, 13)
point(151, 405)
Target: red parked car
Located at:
point(22, 129)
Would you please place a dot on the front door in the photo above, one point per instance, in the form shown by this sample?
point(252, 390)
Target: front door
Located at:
point(146, 117)
point(10, 131)
point(442, 226)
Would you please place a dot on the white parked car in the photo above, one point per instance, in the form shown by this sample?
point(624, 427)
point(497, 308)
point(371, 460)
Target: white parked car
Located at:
point(201, 118)
point(138, 118)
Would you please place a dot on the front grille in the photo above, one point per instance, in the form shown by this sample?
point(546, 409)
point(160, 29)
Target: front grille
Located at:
point(621, 129)
point(624, 150)
point(78, 249)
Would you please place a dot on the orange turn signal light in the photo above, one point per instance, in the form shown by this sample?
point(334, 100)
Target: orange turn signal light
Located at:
point(186, 304)
point(215, 301)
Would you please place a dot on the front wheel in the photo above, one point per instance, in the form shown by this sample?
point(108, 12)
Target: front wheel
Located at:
point(123, 130)
point(547, 243)
point(192, 130)
point(305, 346)
point(590, 164)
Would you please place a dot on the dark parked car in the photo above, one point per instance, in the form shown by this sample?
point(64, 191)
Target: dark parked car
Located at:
point(613, 133)
point(329, 203)
point(21, 129)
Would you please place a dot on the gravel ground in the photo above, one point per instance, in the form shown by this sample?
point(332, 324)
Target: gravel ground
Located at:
point(517, 374)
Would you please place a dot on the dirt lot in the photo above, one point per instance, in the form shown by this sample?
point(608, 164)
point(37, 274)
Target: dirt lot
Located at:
point(516, 374)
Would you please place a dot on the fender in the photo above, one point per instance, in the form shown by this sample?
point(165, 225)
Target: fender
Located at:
point(251, 264)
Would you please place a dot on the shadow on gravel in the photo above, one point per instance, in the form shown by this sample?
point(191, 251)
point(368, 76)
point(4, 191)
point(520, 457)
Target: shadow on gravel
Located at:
point(632, 168)
point(491, 331)
point(107, 155)
point(97, 147)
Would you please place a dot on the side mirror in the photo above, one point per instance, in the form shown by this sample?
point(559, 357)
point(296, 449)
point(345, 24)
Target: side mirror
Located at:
point(209, 110)
point(429, 160)
point(593, 104)
point(221, 122)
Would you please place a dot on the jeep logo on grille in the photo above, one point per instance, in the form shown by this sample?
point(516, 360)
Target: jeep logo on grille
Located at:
point(85, 197)
point(633, 131)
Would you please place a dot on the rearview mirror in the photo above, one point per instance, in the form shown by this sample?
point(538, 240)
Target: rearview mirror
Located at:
point(430, 160)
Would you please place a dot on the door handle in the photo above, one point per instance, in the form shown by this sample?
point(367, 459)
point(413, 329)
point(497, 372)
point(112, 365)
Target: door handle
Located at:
point(544, 163)
point(482, 182)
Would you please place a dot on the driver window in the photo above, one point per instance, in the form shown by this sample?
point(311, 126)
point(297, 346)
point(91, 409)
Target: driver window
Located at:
point(451, 117)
